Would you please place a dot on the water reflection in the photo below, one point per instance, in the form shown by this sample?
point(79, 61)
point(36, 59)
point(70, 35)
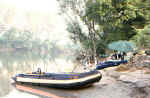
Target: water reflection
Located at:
point(46, 92)
point(35, 91)
point(21, 61)
point(12, 63)
point(5, 86)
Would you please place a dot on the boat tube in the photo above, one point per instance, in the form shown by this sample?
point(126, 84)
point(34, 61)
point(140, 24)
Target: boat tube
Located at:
point(110, 64)
point(62, 80)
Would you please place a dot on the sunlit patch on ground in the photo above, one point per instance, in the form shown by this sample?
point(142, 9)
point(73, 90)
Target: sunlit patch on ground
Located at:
point(18, 94)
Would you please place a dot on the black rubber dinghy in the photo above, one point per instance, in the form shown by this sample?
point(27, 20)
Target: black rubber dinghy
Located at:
point(62, 80)
point(110, 64)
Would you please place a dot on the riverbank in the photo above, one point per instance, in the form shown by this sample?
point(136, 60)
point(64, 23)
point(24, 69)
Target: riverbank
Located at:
point(122, 81)
point(126, 84)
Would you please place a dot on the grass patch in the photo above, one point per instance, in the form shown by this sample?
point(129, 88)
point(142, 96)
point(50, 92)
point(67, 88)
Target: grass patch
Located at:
point(147, 72)
point(122, 68)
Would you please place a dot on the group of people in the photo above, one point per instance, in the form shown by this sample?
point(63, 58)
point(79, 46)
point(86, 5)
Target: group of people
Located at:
point(117, 55)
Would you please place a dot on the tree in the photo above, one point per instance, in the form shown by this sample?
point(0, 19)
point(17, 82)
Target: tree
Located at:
point(75, 19)
point(142, 38)
point(118, 17)
point(106, 20)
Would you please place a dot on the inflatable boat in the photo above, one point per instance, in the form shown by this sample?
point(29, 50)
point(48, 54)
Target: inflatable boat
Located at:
point(62, 80)
point(110, 64)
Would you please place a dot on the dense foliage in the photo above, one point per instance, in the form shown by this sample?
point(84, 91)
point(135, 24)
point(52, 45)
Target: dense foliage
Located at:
point(107, 21)
point(142, 38)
